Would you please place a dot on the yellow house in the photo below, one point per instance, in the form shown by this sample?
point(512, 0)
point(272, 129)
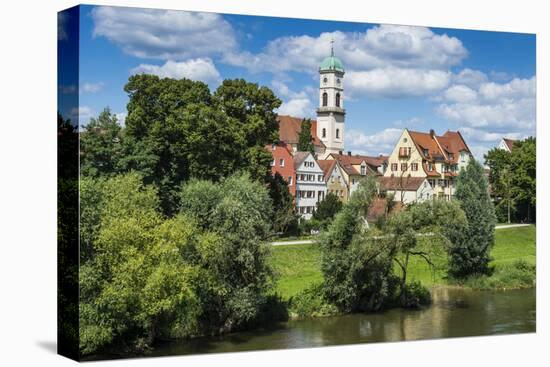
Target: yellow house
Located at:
point(436, 158)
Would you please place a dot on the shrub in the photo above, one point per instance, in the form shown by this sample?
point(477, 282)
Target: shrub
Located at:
point(415, 295)
point(311, 303)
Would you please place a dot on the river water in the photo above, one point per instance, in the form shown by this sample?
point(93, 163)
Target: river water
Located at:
point(454, 313)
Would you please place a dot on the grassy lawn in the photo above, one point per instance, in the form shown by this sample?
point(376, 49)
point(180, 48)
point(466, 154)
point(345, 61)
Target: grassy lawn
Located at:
point(299, 266)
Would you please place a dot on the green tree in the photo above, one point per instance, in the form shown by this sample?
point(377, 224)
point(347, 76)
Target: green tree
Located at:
point(424, 231)
point(357, 270)
point(100, 145)
point(176, 129)
point(284, 216)
point(136, 281)
point(471, 253)
point(305, 139)
point(507, 192)
point(523, 165)
point(328, 207)
point(237, 274)
point(497, 160)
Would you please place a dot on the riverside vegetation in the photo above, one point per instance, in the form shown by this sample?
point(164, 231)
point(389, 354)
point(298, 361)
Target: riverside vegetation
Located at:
point(177, 216)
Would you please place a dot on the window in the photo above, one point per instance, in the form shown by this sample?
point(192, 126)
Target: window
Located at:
point(281, 162)
point(404, 140)
point(337, 133)
point(325, 80)
point(289, 180)
point(273, 146)
point(324, 133)
point(394, 166)
point(430, 167)
point(363, 170)
point(311, 177)
point(337, 99)
point(414, 166)
point(403, 166)
point(325, 99)
point(404, 151)
point(426, 152)
point(319, 178)
point(273, 162)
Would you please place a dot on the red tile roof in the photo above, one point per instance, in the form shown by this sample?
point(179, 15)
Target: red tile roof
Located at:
point(290, 127)
point(299, 157)
point(440, 148)
point(327, 165)
point(509, 143)
point(348, 161)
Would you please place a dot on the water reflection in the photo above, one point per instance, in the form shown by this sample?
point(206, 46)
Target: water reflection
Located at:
point(454, 313)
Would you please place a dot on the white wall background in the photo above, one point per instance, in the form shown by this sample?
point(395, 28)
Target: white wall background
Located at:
point(28, 182)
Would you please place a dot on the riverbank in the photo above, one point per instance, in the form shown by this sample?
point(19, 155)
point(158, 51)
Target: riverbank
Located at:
point(299, 266)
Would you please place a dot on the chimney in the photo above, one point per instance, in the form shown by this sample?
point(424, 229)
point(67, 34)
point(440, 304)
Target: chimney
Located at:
point(349, 153)
point(432, 133)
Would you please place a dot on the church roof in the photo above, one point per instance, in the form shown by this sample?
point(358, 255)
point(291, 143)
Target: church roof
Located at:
point(290, 127)
point(331, 63)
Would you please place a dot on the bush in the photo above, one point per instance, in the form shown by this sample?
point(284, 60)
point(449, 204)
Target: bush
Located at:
point(306, 226)
point(415, 295)
point(311, 303)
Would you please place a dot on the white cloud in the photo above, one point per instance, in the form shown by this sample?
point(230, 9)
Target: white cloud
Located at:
point(121, 118)
point(82, 114)
point(298, 107)
point(202, 69)
point(470, 78)
point(516, 88)
point(67, 89)
point(91, 87)
point(298, 104)
point(164, 34)
point(381, 142)
point(379, 47)
point(62, 20)
point(460, 93)
point(394, 82)
point(511, 105)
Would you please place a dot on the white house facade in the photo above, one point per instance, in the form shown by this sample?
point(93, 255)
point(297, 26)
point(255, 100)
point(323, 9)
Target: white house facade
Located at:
point(311, 187)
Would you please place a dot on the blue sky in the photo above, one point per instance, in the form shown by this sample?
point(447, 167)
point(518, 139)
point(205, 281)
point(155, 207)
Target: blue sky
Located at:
point(481, 83)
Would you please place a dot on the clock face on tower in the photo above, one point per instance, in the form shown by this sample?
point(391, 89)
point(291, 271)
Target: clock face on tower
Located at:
point(338, 81)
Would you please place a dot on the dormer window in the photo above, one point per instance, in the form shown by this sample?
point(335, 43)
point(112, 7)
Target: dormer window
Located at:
point(426, 152)
point(363, 170)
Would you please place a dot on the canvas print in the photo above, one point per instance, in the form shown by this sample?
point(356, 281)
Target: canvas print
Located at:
point(233, 183)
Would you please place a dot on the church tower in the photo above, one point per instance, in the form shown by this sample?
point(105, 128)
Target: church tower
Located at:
point(331, 113)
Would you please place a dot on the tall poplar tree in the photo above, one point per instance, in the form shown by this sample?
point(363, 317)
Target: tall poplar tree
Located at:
point(470, 254)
